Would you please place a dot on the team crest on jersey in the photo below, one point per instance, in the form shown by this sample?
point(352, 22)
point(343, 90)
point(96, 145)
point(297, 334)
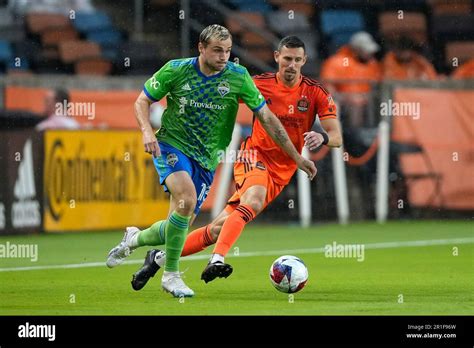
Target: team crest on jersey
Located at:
point(260, 165)
point(223, 88)
point(303, 104)
point(171, 159)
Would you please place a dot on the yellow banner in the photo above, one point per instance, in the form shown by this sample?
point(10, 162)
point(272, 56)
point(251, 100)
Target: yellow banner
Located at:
point(100, 180)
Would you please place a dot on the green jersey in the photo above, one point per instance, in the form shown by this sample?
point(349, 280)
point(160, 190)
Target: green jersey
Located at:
point(201, 110)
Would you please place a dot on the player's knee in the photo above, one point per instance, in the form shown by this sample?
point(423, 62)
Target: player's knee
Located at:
point(186, 204)
point(256, 203)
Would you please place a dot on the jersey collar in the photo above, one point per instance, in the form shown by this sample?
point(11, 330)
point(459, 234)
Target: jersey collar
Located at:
point(280, 83)
point(196, 66)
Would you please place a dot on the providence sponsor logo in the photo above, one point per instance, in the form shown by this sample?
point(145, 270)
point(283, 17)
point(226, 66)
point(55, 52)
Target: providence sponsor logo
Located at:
point(21, 251)
point(37, 331)
point(335, 250)
point(210, 106)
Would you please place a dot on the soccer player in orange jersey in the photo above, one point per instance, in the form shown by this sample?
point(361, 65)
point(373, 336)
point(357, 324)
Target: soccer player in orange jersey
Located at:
point(262, 169)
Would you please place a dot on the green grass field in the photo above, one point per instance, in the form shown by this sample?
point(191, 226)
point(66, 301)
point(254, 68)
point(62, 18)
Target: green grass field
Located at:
point(434, 277)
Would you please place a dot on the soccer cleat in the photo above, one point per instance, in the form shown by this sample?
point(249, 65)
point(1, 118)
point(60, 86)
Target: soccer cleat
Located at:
point(118, 254)
point(148, 270)
point(173, 284)
point(216, 269)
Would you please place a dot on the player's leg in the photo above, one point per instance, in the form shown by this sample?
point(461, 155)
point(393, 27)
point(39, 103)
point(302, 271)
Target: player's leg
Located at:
point(252, 202)
point(196, 241)
point(183, 194)
point(204, 236)
point(155, 259)
point(170, 161)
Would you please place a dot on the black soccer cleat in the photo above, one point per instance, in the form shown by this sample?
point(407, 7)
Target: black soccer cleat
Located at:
point(148, 270)
point(216, 269)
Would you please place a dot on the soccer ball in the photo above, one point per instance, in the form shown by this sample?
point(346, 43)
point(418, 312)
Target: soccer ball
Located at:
point(288, 274)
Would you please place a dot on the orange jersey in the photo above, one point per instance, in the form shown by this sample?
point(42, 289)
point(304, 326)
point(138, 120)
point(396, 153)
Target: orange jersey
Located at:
point(296, 107)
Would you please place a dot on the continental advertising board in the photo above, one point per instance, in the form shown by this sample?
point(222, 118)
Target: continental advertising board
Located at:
point(99, 180)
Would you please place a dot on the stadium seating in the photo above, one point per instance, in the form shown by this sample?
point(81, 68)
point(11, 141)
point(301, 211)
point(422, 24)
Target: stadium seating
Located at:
point(72, 51)
point(52, 36)
point(93, 66)
point(393, 25)
point(234, 25)
point(38, 22)
point(306, 8)
point(339, 25)
point(86, 22)
point(453, 26)
point(281, 23)
point(36, 37)
point(443, 7)
point(462, 50)
point(251, 5)
point(105, 38)
point(6, 53)
point(341, 21)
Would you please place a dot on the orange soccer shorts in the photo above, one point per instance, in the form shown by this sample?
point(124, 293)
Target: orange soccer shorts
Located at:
point(247, 175)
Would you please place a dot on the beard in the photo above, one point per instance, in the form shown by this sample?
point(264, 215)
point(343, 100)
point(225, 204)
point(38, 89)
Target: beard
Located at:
point(289, 75)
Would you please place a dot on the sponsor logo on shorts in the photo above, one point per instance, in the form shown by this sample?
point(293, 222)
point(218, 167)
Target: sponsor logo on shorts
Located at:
point(171, 159)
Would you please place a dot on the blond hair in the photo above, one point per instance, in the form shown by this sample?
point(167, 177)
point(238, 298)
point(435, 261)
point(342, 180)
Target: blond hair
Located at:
point(214, 31)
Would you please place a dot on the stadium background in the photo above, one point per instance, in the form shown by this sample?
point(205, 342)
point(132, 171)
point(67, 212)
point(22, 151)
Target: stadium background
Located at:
point(99, 179)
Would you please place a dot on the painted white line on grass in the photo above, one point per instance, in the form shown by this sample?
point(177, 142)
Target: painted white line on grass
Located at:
point(385, 245)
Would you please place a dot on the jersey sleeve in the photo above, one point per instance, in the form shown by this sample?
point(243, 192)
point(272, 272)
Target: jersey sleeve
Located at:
point(157, 86)
point(326, 108)
point(250, 94)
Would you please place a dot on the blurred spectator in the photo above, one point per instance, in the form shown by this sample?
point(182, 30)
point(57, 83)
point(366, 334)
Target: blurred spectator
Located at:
point(20, 7)
point(405, 63)
point(354, 62)
point(349, 75)
point(56, 110)
point(465, 71)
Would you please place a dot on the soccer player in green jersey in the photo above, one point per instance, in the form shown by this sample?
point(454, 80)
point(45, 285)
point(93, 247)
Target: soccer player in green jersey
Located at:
point(202, 102)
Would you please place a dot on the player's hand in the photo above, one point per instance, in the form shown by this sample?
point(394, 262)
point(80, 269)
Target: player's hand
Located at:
point(308, 167)
point(313, 140)
point(151, 144)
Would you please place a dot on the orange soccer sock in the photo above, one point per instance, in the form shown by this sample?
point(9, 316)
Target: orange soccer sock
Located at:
point(232, 228)
point(197, 240)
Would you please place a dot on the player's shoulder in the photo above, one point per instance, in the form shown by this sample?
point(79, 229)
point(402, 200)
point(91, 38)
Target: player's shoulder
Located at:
point(310, 83)
point(236, 68)
point(265, 79)
point(181, 62)
point(265, 76)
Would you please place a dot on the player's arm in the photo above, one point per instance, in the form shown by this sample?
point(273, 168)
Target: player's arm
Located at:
point(142, 114)
point(327, 133)
point(272, 125)
point(275, 129)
